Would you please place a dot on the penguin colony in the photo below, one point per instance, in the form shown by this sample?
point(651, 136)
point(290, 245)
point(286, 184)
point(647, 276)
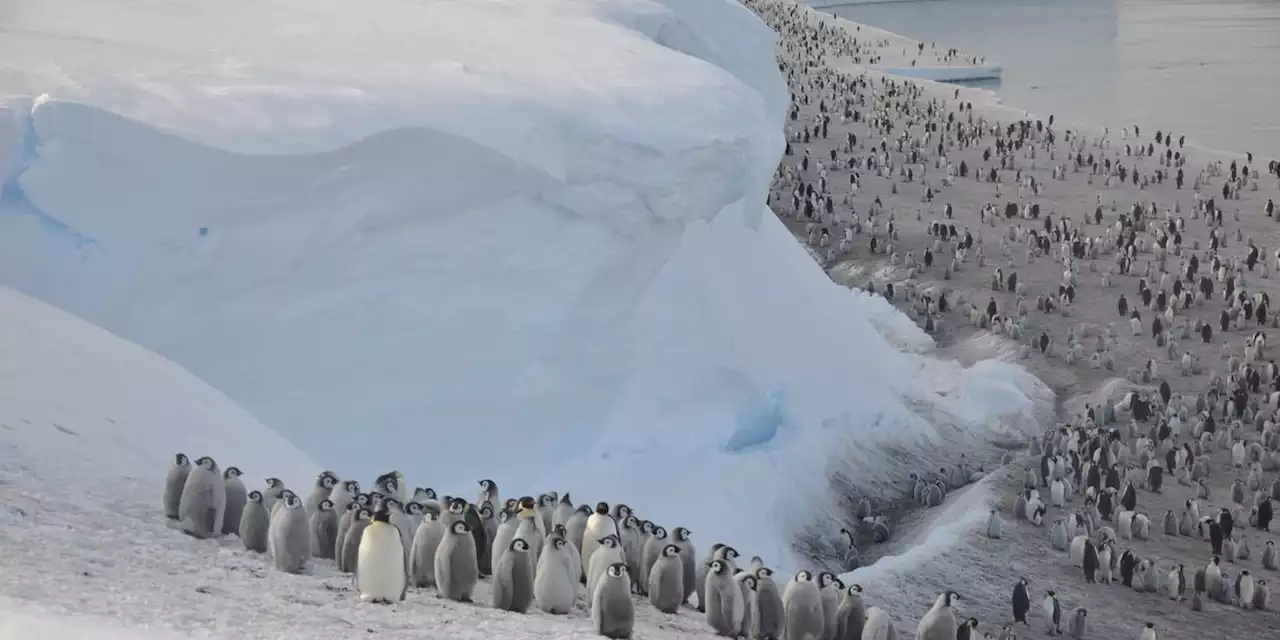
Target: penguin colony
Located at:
point(972, 223)
point(544, 553)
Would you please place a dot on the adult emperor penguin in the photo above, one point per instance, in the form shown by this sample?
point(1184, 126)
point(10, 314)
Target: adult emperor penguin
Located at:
point(1021, 601)
point(349, 558)
point(879, 626)
point(236, 497)
point(174, 483)
point(940, 621)
point(802, 608)
point(995, 526)
point(681, 537)
point(599, 526)
point(1079, 623)
point(1090, 562)
point(290, 535)
point(254, 524)
point(666, 580)
point(271, 495)
point(422, 556)
point(613, 614)
point(513, 578)
point(380, 571)
point(456, 568)
point(204, 500)
point(1149, 632)
point(607, 553)
point(324, 530)
point(1052, 613)
point(724, 605)
point(555, 582)
point(832, 590)
point(323, 487)
point(1244, 589)
point(851, 614)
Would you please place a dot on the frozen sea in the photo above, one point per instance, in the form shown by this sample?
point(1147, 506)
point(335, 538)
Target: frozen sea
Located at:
point(1204, 68)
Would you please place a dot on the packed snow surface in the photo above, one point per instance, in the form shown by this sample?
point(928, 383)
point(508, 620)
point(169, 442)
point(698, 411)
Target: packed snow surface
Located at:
point(466, 239)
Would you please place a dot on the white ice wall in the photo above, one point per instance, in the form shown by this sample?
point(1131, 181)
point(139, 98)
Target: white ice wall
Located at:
point(473, 239)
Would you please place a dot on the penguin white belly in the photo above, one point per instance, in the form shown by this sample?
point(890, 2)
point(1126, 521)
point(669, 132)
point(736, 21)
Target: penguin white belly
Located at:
point(380, 569)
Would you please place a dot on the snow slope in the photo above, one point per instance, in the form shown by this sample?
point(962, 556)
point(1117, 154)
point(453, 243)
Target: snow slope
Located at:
point(518, 240)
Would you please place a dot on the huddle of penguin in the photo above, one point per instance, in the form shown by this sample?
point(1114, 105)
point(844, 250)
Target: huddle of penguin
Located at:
point(542, 553)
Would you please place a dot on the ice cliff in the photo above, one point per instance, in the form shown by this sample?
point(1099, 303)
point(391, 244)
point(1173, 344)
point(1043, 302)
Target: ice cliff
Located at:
point(471, 238)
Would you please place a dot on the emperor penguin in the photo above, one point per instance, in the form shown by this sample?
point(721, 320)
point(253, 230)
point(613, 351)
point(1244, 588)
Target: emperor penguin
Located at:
point(851, 614)
point(513, 579)
point(555, 581)
point(344, 523)
point(546, 509)
point(381, 576)
point(174, 483)
point(1176, 584)
point(666, 580)
point(400, 520)
point(831, 590)
point(508, 523)
point(769, 614)
point(350, 555)
point(1213, 577)
point(1058, 535)
point(879, 626)
point(422, 557)
point(236, 497)
point(576, 527)
point(324, 486)
point(392, 485)
point(1052, 613)
point(632, 547)
point(324, 530)
point(344, 494)
point(1244, 589)
point(681, 537)
point(530, 528)
point(489, 492)
point(564, 510)
point(607, 552)
point(1149, 632)
point(1021, 601)
point(204, 500)
point(652, 550)
point(254, 524)
point(724, 604)
point(1078, 623)
point(572, 558)
point(1269, 557)
point(599, 526)
point(613, 614)
point(802, 609)
point(456, 568)
point(290, 535)
point(748, 583)
point(271, 495)
point(1261, 595)
point(995, 526)
point(940, 621)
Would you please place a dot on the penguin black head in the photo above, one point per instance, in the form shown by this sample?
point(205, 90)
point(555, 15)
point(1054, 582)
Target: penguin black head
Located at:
point(353, 505)
point(952, 597)
point(854, 590)
point(527, 503)
point(207, 463)
point(274, 483)
point(719, 566)
point(972, 622)
point(486, 510)
point(352, 487)
point(460, 527)
point(631, 522)
point(488, 485)
point(510, 504)
point(546, 500)
point(255, 496)
point(326, 505)
point(413, 508)
point(232, 472)
point(610, 541)
point(646, 526)
point(327, 479)
point(670, 551)
point(291, 500)
point(622, 511)
point(749, 581)
point(559, 542)
point(803, 575)
point(181, 460)
point(617, 570)
point(1151, 625)
point(602, 508)
point(518, 545)
point(682, 534)
point(825, 578)
point(659, 532)
point(363, 514)
point(364, 499)
point(457, 506)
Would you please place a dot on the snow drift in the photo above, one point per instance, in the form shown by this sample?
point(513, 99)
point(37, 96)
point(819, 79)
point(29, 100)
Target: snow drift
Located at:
point(489, 238)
